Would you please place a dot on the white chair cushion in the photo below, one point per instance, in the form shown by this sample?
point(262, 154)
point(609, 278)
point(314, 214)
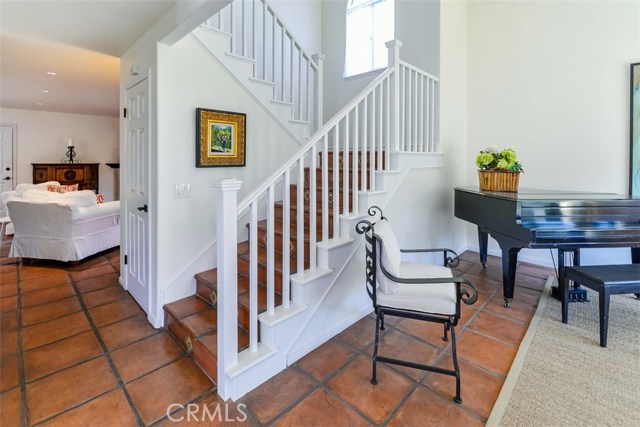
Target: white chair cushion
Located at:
point(437, 298)
point(391, 257)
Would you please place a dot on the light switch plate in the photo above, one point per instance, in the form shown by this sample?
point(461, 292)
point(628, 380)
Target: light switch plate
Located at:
point(182, 190)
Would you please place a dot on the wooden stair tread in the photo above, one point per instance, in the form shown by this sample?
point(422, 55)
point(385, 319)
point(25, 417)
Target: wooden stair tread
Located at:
point(185, 307)
point(209, 278)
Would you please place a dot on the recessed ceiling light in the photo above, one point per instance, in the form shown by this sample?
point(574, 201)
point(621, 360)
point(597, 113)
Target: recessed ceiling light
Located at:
point(45, 91)
point(51, 73)
point(40, 103)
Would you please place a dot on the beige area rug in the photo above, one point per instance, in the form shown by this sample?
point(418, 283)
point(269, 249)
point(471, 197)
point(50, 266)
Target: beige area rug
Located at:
point(562, 377)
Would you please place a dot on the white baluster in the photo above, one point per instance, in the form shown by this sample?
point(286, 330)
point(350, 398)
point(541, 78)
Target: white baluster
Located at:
point(286, 238)
point(345, 167)
point(356, 156)
point(271, 262)
point(388, 144)
point(291, 46)
point(325, 188)
point(433, 123)
point(253, 278)
point(336, 179)
point(380, 136)
point(300, 212)
point(363, 163)
point(312, 211)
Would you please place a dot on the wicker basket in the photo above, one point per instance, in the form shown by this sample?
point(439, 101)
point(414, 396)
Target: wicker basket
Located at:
point(499, 181)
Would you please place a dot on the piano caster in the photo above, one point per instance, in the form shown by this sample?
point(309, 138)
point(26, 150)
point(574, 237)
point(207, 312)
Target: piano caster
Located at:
point(507, 302)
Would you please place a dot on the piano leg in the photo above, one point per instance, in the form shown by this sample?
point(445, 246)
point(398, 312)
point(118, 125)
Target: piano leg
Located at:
point(509, 261)
point(483, 242)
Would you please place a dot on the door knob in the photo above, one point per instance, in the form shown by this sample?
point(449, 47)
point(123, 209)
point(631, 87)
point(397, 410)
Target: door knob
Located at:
point(7, 178)
point(143, 208)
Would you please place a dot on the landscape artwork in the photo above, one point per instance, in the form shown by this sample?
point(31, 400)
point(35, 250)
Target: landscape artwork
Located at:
point(220, 138)
point(223, 137)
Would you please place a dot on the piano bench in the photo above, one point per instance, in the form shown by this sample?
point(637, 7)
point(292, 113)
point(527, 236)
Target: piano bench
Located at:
point(607, 280)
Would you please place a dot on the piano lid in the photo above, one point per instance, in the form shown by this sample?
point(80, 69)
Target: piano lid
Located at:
point(530, 194)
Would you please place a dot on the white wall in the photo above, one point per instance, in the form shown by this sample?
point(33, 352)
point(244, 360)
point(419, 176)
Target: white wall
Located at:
point(552, 79)
point(304, 19)
point(186, 227)
point(41, 137)
point(416, 25)
point(453, 104)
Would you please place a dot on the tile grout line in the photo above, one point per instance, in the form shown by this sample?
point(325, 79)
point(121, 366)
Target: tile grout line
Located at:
point(24, 419)
point(107, 355)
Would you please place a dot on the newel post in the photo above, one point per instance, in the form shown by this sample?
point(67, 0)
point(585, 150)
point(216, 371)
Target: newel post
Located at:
point(393, 47)
point(227, 265)
point(319, 60)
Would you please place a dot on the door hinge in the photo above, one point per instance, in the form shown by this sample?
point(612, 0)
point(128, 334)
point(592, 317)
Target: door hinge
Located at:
point(126, 259)
point(125, 113)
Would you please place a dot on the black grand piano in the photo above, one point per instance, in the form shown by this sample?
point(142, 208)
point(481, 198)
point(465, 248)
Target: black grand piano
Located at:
point(566, 221)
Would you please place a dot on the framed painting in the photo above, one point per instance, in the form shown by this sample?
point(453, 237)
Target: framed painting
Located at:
point(220, 138)
point(634, 134)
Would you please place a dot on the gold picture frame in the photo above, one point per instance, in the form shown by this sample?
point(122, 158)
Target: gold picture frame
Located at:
point(220, 138)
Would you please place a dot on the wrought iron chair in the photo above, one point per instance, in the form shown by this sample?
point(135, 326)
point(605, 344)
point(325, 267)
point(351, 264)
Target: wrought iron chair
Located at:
point(412, 290)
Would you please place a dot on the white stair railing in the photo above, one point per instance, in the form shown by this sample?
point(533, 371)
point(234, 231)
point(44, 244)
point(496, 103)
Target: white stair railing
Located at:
point(259, 33)
point(387, 116)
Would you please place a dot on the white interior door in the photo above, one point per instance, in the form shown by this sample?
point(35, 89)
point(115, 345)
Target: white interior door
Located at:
point(6, 158)
point(137, 188)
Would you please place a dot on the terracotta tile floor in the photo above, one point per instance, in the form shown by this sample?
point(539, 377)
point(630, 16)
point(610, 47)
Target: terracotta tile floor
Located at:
point(76, 350)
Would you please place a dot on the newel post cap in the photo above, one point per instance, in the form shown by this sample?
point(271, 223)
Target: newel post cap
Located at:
point(227, 184)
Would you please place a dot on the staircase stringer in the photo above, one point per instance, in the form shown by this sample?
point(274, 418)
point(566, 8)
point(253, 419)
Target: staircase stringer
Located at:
point(244, 86)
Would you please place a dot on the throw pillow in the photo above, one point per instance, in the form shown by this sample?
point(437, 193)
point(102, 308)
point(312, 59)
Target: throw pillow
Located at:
point(62, 188)
point(100, 198)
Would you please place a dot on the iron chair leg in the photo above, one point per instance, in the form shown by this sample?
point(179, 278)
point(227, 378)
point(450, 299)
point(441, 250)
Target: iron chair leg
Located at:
point(374, 378)
point(445, 337)
point(456, 399)
point(382, 321)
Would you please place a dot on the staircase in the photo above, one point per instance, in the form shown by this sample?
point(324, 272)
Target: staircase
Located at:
point(262, 307)
point(193, 320)
point(249, 40)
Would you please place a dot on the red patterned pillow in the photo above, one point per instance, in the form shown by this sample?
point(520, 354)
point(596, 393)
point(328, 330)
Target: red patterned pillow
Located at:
point(62, 188)
point(100, 198)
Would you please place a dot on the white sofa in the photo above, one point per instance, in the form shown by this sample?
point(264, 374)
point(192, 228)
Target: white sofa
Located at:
point(63, 227)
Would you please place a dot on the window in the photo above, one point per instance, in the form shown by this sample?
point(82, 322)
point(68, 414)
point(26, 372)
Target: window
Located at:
point(369, 27)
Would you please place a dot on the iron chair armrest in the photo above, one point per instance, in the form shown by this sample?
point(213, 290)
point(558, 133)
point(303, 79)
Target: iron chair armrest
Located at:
point(449, 261)
point(465, 290)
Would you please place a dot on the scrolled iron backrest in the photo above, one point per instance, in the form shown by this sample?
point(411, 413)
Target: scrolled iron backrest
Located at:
point(367, 228)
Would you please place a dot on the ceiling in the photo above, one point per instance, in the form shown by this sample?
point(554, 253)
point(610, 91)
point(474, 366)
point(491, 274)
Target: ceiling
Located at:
point(81, 41)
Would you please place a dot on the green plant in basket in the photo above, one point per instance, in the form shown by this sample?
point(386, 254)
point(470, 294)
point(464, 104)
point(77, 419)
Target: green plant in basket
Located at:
point(492, 159)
